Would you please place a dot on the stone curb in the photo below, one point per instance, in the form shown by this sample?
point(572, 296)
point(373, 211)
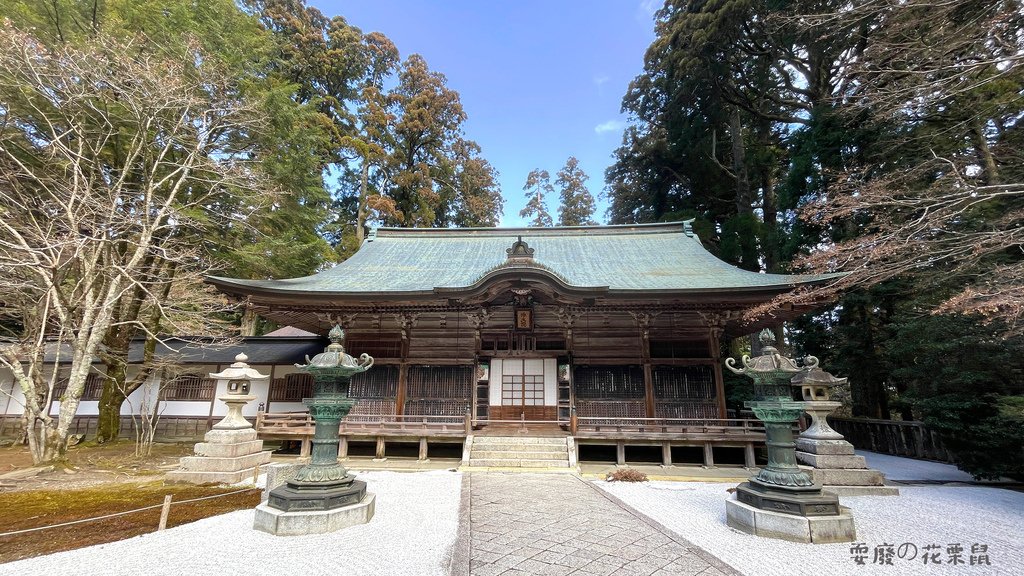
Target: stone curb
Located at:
point(459, 563)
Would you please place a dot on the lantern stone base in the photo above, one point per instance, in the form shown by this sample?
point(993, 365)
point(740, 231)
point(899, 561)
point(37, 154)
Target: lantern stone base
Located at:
point(808, 529)
point(834, 465)
point(225, 457)
point(300, 522)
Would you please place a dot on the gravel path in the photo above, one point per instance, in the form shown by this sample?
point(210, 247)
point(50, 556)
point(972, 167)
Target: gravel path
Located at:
point(920, 516)
point(898, 468)
point(411, 533)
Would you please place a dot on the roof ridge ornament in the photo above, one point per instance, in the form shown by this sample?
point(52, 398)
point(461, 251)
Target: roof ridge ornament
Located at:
point(520, 250)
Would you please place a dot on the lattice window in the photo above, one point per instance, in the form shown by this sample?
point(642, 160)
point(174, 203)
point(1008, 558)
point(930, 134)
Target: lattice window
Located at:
point(436, 407)
point(440, 382)
point(373, 407)
point(683, 382)
point(611, 409)
point(686, 410)
point(612, 382)
point(189, 387)
point(377, 382)
point(291, 388)
point(92, 391)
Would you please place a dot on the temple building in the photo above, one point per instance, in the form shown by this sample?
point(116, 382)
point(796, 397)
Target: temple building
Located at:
point(608, 334)
point(527, 324)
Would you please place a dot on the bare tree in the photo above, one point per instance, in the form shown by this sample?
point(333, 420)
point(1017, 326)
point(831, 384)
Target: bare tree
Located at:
point(113, 162)
point(938, 193)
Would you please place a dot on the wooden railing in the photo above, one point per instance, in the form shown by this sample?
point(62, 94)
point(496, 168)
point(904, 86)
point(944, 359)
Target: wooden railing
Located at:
point(899, 438)
point(723, 427)
point(301, 424)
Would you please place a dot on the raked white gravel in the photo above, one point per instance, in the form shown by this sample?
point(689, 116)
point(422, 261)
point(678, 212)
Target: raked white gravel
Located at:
point(919, 515)
point(412, 533)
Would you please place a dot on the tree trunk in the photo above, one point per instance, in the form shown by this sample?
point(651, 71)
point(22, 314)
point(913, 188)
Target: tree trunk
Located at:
point(361, 204)
point(739, 164)
point(42, 438)
point(108, 427)
point(249, 321)
point(984, 154)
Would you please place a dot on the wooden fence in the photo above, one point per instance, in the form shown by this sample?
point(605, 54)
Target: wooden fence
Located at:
point(894, 437)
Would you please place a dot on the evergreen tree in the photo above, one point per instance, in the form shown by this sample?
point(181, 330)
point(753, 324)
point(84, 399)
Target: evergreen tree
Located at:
point(577, 203)
point(538, 184)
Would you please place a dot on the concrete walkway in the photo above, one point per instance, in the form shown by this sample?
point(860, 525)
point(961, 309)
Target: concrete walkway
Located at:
point(547, 524)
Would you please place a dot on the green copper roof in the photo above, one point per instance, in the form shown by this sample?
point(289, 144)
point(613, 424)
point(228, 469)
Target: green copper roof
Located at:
point(662, 257)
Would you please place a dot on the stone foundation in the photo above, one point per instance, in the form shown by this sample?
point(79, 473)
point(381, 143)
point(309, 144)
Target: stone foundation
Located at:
point(298, 523)
point(225, 457)
point(807, 529)
point(834, 465)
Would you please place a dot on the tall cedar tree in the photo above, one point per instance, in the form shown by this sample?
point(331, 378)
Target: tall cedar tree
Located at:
point(538, 184)
point(577, 203)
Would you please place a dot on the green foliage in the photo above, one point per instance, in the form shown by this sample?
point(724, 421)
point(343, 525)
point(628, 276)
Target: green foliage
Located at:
point(576, 206)
point(538, 184)
point(984, 432)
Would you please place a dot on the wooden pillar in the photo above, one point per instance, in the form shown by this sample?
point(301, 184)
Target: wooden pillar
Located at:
point(748, 455)
point(403, 376)
point(716, 326)
point(307, 447)
point(666, 454)
point(270, 388)
point(649, 389)
point(406, 321)
point(343, 448)
point(380, 453)
point(620, 453)
point(423, 449)
point(643, 323)
point(709, 456)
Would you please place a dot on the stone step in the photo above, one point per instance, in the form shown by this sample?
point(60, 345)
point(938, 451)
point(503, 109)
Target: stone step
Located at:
point(517, 463)
point(490, 447)
point(826, 461)
point(229, 450)
point(838, 447)
point(541, 440)
point(223, 464)
point(202, 477)
point(862, 490)
point(519, 455)
point(849, 477)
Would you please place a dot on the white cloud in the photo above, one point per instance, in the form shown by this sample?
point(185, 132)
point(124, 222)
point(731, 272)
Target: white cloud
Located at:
point(647, 8)
point(601, 79)
point(609, 126)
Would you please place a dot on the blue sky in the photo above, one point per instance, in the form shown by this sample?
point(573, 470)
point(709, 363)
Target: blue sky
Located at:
point(539, 80)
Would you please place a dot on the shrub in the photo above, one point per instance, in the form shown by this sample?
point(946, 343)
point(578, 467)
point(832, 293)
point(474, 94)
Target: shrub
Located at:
point(626, 475)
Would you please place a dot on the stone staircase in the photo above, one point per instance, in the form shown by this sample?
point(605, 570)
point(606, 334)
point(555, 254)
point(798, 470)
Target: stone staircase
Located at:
point(518, 452)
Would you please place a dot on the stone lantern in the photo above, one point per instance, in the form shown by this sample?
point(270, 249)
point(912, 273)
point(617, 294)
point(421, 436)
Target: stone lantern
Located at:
point(323, 496)
point(230, 452)
point(781, 500)
point(816, 389)
point(835, 465)
point(238, 379)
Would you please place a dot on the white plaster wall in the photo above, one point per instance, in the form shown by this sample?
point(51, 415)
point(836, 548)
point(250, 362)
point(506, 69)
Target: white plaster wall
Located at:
point(7, 394)
point(494, 390)
point(550, 382)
